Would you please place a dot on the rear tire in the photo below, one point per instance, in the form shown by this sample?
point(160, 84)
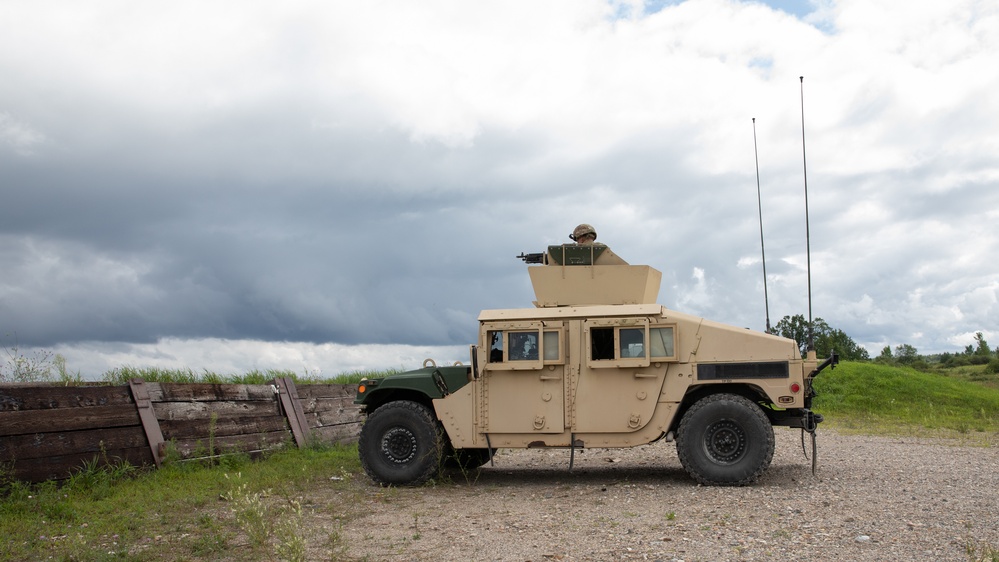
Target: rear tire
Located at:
point(401, 444)
point(725, 439)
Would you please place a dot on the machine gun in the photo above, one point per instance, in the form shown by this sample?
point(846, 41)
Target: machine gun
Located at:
point(532, 258)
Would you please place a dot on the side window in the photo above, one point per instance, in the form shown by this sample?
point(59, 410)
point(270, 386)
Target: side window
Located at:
point(661, 342)
point(617, 342)
point(496, 346)
point(601, 343)
point(551, 346)
point(632, 342)
point(523, 346)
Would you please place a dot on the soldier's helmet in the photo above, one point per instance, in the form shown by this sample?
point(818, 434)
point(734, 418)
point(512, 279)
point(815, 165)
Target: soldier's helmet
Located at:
point(581, 231)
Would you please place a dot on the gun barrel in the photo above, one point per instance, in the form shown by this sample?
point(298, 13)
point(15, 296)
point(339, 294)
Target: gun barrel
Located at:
point(532, 258)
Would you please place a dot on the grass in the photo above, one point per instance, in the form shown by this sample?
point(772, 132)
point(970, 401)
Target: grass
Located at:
point(881, 399)
point(235, 509)
point(122, 375)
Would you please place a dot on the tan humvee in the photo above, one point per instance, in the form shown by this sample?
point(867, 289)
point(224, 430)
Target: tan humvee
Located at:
point(597, 363)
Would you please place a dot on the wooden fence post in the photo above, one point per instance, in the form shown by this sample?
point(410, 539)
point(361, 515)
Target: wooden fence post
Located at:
point(148, 418)
point(292, 407)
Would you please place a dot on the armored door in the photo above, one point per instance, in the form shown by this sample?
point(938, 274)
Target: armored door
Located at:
point(623, 367)
point(522, 389)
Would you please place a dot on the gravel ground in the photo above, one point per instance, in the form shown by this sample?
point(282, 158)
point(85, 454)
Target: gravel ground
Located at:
point(873, 498)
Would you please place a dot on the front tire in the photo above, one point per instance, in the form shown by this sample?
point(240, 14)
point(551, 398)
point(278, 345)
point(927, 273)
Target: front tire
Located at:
point(401, 444)
point(725, 439)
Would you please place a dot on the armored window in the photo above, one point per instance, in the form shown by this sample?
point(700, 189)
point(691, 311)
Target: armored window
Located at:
point(661, 342)
point(601, 343)
point(617, 342)
point(495, 339)
point(552, 347)
point(523, 345)
point(631, 342)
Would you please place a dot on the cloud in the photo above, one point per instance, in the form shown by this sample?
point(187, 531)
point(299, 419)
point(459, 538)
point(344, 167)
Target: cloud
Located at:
point(18, 136)
point(364, 174)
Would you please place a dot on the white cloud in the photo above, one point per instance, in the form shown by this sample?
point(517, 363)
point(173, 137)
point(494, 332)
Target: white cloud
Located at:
point(18, 136)
point(236, 357)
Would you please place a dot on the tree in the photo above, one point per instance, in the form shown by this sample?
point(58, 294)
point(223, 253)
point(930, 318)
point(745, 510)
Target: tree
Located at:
point(794, 327)
point(981, 346)
point(886, 356)
point(827, 339)
point(837, 340)
point(905, 354)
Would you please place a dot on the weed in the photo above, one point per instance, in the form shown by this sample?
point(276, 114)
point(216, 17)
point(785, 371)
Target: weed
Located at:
point(98, 476)
point(290, 542)
point(212, 425)
point(981, 552)
point(250, 511)
point(18, 367)
point(337, 543)
point(210, 542)
point(416, 526)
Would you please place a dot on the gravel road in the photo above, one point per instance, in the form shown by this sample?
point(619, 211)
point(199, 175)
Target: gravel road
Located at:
point(873, 498)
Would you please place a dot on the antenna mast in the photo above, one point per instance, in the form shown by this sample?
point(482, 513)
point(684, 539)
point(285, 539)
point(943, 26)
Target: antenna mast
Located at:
point(808, 241)
point(759, 199)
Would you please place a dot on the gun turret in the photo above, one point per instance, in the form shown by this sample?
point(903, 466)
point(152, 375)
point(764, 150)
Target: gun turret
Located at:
point(532, 258)
point(589, 274)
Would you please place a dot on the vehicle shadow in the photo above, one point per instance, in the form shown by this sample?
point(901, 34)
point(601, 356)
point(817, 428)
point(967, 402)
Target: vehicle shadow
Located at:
point(546, 476)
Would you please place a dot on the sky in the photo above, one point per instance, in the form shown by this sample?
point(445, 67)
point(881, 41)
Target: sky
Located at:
point(327, 187)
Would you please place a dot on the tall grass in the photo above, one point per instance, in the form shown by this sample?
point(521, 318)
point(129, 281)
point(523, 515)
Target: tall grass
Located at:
point(122, 375)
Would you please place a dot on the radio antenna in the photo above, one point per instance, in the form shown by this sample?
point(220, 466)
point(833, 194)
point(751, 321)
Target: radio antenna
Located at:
point(759, 200)
point(808, 241)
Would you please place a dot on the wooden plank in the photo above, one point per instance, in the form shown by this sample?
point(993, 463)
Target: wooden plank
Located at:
point(307, 391)
point(67, 419)
point(343, 434)
point(42, 445)
point(204, 392)
point(312, 405)
point(63, 466)
point(45, 397)
point(197, 429)
point(333, 405)
point(148, 418)
point(292, 408)
point(231, 443)
point(321, 419)
point(204, 410)
point(299, 414)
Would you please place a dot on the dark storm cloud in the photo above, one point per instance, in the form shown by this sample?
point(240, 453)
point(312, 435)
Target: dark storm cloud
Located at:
point(352, 237)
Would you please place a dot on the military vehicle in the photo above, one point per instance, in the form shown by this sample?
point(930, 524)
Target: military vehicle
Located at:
point(596, 363)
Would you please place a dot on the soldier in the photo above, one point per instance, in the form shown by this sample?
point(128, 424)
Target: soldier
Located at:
point(583, 234)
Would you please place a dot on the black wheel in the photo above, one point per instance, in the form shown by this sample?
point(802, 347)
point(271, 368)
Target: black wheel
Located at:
point(467, 459)
point(725, 439)
point(401, 443)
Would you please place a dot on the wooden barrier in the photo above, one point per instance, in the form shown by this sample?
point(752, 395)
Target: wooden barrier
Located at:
point(47, 432)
